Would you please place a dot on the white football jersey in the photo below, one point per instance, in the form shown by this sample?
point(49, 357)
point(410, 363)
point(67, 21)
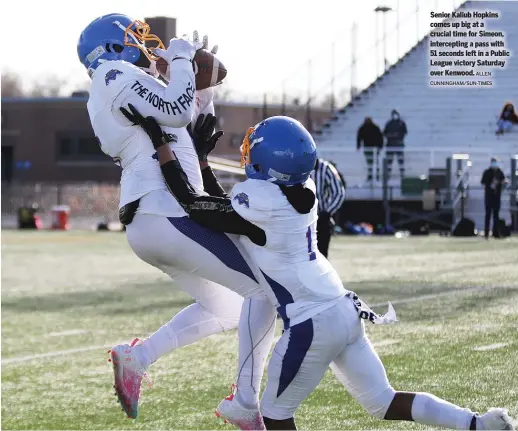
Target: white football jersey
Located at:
point(117, 83)
point(302, 282)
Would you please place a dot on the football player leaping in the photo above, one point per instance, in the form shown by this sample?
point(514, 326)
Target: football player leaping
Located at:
point(120, 54)
point(276, 210)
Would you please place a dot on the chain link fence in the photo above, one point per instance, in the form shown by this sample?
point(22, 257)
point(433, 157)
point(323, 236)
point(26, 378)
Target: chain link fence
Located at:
point(90, 203)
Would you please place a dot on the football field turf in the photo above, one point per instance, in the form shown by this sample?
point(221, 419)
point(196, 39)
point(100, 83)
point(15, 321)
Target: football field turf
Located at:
point(67, 297)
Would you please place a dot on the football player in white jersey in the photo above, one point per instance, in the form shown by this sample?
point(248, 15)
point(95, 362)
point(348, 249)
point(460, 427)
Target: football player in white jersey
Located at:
point(120, 54)
point(275, 211)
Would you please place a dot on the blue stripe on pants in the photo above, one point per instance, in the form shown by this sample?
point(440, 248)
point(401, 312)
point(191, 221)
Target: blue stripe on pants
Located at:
point(283, 296)
point(301, 337)
point(217, 243)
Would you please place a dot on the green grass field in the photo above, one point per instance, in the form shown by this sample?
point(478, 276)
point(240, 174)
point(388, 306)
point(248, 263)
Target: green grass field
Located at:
point(457, 301)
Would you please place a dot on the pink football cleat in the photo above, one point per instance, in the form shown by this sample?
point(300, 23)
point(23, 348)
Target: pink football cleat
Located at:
point(242, 417)
point(128, 373)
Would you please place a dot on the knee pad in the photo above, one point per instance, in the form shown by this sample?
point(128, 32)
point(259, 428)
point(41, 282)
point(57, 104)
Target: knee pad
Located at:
point(378, 404)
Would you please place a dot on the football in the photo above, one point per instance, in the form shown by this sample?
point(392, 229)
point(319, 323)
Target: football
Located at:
point(208, 70)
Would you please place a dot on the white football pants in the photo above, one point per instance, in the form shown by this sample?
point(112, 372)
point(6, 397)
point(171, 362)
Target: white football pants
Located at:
point(217, 274)
point(301, 357)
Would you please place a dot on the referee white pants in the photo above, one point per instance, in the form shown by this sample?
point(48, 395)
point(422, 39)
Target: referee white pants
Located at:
point(215, 269)
point(301, 357)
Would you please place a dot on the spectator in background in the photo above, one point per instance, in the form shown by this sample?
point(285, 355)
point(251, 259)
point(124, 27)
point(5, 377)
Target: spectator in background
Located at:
point(369, 134)
point(395, 131)
point(331, 195)
point(507, 118)
point(493, 180)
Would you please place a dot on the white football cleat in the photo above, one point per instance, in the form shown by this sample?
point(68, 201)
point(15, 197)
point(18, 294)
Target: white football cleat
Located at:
point(242, 417)
point(496, 419)
point(128, 373)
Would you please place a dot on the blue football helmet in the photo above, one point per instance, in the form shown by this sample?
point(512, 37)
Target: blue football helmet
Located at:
point(279, 150)
point(116, 37)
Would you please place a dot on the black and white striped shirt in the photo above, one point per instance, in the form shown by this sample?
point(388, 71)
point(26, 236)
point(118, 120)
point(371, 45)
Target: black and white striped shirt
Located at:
point(330, 188)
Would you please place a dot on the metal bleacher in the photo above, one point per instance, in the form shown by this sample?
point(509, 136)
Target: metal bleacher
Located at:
point(440, 120)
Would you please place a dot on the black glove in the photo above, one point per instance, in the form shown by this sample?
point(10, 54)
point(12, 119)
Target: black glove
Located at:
point(202, 135)
point(149, 124)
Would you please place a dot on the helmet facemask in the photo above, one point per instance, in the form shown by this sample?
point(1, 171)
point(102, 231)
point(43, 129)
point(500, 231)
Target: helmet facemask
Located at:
point(246, 147)
point(138, 34)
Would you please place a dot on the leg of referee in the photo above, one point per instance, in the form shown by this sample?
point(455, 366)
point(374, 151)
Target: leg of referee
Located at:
point(324, 232)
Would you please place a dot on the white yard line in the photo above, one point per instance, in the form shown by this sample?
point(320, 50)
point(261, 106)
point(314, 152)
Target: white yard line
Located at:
point(18, 359)
point(490, 347)
point(67, 333)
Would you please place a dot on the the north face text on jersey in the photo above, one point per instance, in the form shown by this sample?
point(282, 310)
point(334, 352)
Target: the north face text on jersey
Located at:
point(181, 104)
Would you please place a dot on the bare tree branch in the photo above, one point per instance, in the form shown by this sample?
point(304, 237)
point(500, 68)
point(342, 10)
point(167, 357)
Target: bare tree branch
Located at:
point(11, 85)
point(50, 86)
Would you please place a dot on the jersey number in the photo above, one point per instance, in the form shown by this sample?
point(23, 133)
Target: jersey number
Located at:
point(312, 255)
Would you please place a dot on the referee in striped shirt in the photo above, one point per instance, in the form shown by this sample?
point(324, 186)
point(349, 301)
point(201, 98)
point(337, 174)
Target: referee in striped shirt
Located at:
point(331, 195)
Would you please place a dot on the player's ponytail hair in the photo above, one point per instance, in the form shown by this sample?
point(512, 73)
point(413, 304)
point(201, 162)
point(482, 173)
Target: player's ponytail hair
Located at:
point(300, 197)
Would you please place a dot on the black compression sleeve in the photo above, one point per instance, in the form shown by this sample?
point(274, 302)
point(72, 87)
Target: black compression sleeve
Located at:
point(211, 211)
point(211, 184)
point(217, 213)
point(178, 182)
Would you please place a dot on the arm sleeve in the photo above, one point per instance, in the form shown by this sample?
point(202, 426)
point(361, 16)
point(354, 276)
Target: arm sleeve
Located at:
point(359, 138)
point(172, 105)
point(337, 189)
point(211, 211)
point(211, 184)
point(218, 214)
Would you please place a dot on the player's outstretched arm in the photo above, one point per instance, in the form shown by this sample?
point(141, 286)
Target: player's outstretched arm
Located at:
point(210, 183)
point(213, 212)
point(174, 104)
point(205, 139)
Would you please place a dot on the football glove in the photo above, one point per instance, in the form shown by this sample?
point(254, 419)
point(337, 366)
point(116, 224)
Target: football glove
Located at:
point(203, 136)
point(205, 43)
point(149, 124)
point(179, 48)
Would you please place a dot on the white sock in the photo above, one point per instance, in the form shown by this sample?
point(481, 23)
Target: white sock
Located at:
point(430, 410)
point(188, 326)
point(256, 329)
